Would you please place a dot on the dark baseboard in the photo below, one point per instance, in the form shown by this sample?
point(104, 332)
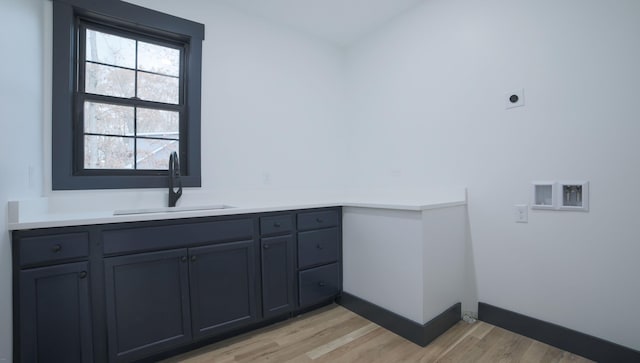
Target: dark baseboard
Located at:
point(408, 329)
point(558, 336)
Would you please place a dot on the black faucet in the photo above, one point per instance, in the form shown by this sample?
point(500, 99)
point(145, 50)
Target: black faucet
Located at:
point(174, 179)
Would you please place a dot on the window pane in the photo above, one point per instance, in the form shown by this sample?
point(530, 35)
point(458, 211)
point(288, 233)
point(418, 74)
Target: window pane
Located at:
point(152, 87)
point(103, 118)
point(106, 152)
point(158, 59)
point(154, 154)
point(110, 49)
point(158, 123)
point(109, 81)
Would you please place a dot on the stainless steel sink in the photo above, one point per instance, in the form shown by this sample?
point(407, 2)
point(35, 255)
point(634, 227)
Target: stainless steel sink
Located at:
point(170, 209)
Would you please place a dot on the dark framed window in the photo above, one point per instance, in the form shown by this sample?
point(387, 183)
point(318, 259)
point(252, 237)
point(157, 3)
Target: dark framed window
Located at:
point(126, 94)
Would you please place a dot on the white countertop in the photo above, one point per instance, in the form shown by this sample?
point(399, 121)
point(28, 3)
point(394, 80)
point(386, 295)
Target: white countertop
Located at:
point(36, 214)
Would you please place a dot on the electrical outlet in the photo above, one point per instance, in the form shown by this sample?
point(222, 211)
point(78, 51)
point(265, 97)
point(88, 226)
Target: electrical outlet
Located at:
point(514, 99)
point(521, 213)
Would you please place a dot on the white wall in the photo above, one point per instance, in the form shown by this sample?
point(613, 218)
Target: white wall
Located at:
point(21, 38)
point(272, 122)
point(427, 95)
point(426, 110)
point(272, 102)
point(272, 114)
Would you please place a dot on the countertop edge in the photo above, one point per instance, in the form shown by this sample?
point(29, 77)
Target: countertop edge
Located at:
point(66, 220)
point(418, 207)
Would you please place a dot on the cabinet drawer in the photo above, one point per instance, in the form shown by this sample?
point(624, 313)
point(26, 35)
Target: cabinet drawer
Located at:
point(315, 220)
point(276, 224)
point(177, 235)
point(52, 248)
point(318, 284)
point(317, 247)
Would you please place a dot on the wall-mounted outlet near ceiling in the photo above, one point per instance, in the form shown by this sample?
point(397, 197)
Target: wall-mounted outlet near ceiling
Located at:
point(514, 99)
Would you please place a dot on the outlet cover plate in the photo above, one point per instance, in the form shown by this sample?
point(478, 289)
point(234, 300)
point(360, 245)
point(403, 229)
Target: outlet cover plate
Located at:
point(521, 213)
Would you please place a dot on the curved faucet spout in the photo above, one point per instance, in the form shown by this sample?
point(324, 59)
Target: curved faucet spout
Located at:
point(175, 183)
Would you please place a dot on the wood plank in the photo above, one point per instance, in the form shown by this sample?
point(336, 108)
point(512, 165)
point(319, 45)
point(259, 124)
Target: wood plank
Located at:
point(334, 344)
point(482, 329)
point(336, 335)
point(295, 346)
point(469, 349)
point(535, 352)
point(338, 355)
point(373, 349)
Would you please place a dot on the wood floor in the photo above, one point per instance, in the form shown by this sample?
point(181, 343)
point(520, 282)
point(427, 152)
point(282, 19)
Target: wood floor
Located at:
point(335, 334)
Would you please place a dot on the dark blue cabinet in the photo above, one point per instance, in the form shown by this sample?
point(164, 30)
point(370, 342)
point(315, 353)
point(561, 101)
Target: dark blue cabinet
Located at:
point(135, 291)
point(223, 287)
point(55, 320)
point(277, 261)
point(147, 300)
point(160, 300)
point(278, 282)
point(319, 254)
point(319, 284)
point(317, 247)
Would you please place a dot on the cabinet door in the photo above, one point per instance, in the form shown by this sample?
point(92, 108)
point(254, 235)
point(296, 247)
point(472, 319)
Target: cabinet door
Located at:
point(147, 303)
point(277, 275)
point(223, 290)
point(55, 322)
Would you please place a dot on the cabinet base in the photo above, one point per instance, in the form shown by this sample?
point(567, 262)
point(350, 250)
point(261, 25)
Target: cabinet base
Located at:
point(408, 329)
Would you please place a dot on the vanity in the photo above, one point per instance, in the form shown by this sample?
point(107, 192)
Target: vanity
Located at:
point(142, 290)
point(144, 284)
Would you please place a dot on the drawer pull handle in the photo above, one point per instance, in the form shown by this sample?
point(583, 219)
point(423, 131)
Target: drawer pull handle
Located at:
point(266, 247)
point(319, 220)
point(183, 258)
point(56, 249)
point(82, 274)
point(193, 258)
point(322, 284)
point(276, 224)
point(319, 246)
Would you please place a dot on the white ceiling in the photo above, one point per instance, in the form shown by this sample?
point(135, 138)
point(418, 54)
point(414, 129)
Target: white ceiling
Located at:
point(338, 21)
